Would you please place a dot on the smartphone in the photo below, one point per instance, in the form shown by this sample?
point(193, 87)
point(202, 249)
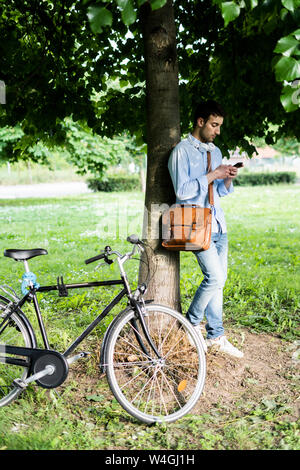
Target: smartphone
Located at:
point(239, 164)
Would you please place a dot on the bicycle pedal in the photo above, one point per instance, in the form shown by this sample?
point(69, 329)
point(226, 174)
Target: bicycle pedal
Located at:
point(20, 384)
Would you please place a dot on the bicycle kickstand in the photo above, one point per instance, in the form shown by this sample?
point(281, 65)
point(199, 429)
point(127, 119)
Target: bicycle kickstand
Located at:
point(80, 355)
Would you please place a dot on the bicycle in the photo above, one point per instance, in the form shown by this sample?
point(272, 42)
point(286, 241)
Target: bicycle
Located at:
point(152, 357)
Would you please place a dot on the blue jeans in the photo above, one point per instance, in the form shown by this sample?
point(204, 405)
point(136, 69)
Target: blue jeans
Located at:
point(208, 299)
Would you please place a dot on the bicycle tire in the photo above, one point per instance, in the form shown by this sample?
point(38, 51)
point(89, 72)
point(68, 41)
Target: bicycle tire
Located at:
point(17, 332)
point(149, 389)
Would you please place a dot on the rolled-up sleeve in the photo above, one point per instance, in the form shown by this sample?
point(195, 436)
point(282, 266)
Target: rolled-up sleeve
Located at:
point(222, 190)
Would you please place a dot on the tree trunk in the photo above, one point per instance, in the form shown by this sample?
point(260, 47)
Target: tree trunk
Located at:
point(163, 133)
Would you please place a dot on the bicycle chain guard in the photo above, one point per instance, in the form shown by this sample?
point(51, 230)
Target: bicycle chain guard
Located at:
point(60, 365)
point(39, 359)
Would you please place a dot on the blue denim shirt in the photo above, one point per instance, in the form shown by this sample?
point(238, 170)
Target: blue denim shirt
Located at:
point(188, 168)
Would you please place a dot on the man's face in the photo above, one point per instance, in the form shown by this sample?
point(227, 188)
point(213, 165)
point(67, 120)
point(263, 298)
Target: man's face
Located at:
point(209, 130)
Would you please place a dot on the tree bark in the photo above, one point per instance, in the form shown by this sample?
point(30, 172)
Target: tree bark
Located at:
point(163, 133)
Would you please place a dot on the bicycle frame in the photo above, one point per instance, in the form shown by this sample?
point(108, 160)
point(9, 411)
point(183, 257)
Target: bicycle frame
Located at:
point(63, 291)
point(31, 295)
point(151, 386)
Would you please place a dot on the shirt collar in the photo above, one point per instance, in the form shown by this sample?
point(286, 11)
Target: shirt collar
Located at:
point(200, 145)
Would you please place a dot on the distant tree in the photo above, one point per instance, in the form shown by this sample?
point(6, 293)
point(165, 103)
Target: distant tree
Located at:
point(86, 151)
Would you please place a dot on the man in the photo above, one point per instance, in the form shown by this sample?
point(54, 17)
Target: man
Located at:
point(188, 170)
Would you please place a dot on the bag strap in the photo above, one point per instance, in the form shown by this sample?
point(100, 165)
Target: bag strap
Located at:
point(210, 186)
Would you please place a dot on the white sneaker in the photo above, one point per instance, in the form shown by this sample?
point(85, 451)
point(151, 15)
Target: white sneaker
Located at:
point(224, 346)
point(202, 340)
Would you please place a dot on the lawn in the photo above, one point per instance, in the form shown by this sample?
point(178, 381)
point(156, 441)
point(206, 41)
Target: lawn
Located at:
point(261, 306)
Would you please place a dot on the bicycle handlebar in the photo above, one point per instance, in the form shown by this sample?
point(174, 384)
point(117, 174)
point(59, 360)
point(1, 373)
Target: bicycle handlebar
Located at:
point(95, 258)
point(131, 239)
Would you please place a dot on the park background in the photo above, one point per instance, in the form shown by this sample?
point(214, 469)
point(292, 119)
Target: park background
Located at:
point(246, 405)
point(251, 404)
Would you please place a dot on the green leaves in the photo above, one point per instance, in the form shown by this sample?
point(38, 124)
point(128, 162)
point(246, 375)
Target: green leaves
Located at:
point(156, 4)
point(287, 69)
point(99, 17)
point(287, 45)
point(230, 11)
point(291, 5)
point(128, 12)
point(251, 3)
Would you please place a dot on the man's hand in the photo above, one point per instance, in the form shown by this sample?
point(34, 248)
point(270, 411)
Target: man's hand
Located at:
point(233, 171)
point(223, 172)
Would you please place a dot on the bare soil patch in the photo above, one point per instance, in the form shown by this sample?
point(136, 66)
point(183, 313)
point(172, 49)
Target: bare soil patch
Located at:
point(268, 369)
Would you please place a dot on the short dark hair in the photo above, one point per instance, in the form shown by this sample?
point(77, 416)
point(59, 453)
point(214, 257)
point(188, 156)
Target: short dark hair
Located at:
point(206, 108)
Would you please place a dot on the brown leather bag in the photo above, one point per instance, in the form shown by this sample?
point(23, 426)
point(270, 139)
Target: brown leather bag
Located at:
point(187, 227)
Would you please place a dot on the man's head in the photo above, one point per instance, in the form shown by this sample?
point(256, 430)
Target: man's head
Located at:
point(208, 118)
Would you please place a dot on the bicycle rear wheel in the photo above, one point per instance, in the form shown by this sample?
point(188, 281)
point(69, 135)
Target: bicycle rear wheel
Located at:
point(13, 332)
point(149, 388)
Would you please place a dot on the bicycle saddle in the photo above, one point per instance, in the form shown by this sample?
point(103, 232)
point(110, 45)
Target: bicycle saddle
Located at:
point(19, 255)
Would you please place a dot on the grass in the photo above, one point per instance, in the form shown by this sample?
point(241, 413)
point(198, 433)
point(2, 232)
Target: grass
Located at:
point(262, 293)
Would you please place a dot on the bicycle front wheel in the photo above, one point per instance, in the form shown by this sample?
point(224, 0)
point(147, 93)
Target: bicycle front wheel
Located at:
point(13, 332)
point(149, 388)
